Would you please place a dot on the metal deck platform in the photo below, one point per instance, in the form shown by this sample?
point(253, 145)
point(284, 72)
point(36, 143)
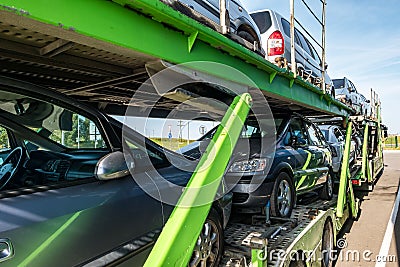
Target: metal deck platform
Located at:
point(281, 235)
point(103, 60)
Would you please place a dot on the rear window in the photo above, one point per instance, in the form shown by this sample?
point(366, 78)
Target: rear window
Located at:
point(338, 83)
point(263, 20)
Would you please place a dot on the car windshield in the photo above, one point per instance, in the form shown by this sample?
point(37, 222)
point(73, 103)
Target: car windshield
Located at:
point(251, 129)
point(338, 83)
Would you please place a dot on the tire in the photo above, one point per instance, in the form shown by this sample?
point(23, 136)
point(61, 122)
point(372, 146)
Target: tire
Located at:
point(297, 263)
point(209, 246)
point(327, 246)
point(326, 191)
point(247, 36)
point(283, 196)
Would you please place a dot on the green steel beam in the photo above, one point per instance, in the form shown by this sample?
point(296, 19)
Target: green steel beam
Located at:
point(345, 185)
point(379, 133)
point(176, 242)
point(109, 25)
point(365, 170)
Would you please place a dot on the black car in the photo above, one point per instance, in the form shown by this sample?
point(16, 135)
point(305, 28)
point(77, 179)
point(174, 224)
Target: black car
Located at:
point(297, 161)
point(67, 195)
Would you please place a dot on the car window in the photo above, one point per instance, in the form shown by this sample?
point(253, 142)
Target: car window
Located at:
point(297, 129)
point(314, 52)
point(263, 21)
point(82, 134)
point(303, 41)
point(313, 135)
point(53, 122)
point(286, 27)
point(338, 83)
point(4, 141)
point(353, 87)
point(4, 144)
point(320, 135)
point(248, 131)
point(326, 134)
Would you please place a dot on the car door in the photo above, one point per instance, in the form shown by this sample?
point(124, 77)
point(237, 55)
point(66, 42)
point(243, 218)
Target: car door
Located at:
point(302, 59)
point(355, 99)
point(301, 154)
point(321, 156)
point(298, 50)
point(56, 213)
point(340, 142)
point(309, 62)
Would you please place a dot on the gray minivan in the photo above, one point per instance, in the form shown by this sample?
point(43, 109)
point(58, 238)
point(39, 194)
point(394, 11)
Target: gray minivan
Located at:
point(275, 37)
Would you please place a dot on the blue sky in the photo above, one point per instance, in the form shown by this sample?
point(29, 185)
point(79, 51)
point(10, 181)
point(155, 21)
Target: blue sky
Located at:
point(363, 44)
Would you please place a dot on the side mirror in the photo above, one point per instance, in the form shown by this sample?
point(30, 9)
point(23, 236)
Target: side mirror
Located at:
point(385, 134)
point(112, 166)
point(326, 66)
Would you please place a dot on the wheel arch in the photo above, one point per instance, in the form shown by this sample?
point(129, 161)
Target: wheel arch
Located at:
point(283, 167)
point(243, 25)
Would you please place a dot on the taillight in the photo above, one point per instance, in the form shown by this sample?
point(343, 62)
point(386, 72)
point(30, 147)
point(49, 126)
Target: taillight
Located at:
point(276, 45)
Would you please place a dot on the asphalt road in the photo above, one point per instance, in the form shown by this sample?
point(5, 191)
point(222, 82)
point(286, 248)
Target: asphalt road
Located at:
point(365, 238)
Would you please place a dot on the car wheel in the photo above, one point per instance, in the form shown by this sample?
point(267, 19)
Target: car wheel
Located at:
point(327, 247)
point(283, 195)
point(246, 35)
point(297, 263)
point(327, 190)
point(209, 246)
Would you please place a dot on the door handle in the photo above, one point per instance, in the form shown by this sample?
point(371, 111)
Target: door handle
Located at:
point(6, 249)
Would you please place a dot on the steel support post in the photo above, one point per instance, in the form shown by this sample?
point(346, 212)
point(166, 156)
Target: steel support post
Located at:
point(175, 244)
point(345, 185)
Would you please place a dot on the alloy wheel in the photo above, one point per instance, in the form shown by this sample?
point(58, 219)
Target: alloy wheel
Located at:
point(207, 246)
point(284, 198)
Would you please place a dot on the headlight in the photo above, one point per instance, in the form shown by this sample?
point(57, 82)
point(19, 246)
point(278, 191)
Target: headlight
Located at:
point(253, 165)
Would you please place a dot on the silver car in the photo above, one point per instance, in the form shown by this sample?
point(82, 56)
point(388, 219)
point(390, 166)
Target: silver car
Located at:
point(240, 21)
point(336, 139)
point(275, 37)
point(346, 92)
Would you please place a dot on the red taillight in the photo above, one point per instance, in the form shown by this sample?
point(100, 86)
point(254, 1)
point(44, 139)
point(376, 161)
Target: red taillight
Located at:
point(355, 182)
point(276, 44)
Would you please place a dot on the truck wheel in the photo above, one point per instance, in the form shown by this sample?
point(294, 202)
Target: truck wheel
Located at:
point(209, 246)
point(326, 191)
point(327, 247)
point(283, 195)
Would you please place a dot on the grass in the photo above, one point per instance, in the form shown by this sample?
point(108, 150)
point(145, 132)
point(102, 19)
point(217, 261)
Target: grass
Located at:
point(171, 144)
point(390, 143)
